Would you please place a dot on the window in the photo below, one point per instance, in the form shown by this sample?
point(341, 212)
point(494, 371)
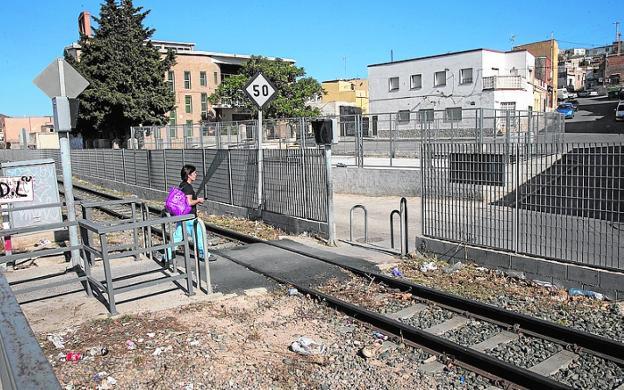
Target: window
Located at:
point(202, 79)
point(425, 115)
point(439, 79)
point(403, 116)
point(187, 80)
point(172, 118)
point(188, 128)
point(465, 76)
point(188, 104)
point(171, 80)
point(415, 81)
point(216, 78)
point(393, 84)
point(204, 103)
point(453, 114)
point(508, 106)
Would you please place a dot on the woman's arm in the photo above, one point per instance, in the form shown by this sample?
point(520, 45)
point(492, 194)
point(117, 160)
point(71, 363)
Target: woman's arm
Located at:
point(194, 202)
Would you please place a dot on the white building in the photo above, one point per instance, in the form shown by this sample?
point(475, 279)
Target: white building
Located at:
point(479, 78)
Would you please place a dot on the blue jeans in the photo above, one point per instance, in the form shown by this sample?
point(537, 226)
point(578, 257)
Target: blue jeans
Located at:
point(198, 238)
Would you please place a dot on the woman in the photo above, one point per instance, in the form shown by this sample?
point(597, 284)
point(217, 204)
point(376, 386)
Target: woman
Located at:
point(188, 174)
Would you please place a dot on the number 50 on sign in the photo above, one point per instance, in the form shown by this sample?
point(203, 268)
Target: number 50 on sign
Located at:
point(16, 189)
point(260, 90)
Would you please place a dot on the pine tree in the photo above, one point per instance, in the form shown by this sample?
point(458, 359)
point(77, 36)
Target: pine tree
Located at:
point(126, 74)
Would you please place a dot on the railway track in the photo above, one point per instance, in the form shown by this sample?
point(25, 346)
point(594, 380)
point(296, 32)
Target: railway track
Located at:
point(464, 332)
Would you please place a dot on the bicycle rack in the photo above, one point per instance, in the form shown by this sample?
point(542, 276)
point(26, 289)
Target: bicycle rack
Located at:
point(402, 226)
point(358, 206)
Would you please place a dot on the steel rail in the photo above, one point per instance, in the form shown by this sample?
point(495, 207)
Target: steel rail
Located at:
point(493, 366)
point(594, 344)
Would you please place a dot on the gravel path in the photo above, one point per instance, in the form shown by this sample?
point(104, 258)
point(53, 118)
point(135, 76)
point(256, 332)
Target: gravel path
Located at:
point(526, 351)
point(591, 372)
point(473, 333)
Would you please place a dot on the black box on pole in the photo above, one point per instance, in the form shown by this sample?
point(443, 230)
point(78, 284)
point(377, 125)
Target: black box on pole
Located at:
point(323, 131)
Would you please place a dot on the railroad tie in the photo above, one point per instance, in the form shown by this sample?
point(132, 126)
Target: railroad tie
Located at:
point(503, 337)
point(448, 325)
point(556, 362)
point(431, 367)
point(408, 312)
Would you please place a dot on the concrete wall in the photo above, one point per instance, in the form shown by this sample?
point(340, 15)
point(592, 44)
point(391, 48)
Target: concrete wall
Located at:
point(562, 274)
point(377, 182)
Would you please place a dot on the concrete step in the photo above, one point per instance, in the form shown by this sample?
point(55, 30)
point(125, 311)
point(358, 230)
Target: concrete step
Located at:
point(408, 312)
point(503, 337)
point(448, 325)
point(556, 362)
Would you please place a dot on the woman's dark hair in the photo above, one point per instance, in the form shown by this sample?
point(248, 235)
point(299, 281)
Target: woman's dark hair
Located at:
point(186, 171)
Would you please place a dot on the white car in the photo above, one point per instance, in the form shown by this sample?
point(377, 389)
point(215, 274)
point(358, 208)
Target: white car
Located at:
point(619, 111)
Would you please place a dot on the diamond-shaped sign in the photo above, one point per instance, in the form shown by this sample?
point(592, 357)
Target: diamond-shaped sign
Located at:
point(60, 79)
point(260, 90)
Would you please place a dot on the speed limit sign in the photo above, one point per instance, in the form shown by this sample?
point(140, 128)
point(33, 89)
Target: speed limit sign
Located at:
point(260, 90)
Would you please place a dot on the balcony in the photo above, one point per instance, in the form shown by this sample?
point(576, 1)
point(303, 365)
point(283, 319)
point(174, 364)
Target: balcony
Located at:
point(502, 82)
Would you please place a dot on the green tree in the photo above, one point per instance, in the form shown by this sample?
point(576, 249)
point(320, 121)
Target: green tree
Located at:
point(125, 71)
point(293, 89)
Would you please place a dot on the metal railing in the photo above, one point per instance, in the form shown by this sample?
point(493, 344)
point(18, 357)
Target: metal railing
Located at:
point(23, 364)
point(559, 200)
point(503, 82)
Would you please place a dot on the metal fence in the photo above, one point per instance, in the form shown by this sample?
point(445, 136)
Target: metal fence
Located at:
point(556, 200)
point(294, 181)
point(388, 139)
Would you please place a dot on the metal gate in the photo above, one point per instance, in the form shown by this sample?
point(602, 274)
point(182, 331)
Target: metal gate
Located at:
point(557, 200)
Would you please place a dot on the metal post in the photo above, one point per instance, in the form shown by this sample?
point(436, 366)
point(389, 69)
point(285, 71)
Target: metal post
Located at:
point(330, 197)
point(69, 197)
point(229, 155)
point(108, 274)
point(391, 140)
point(260, 157)
point(135, 235)
point(187, 260)
point(201, 135)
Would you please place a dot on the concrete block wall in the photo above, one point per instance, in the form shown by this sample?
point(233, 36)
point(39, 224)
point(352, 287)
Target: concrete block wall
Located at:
point(565, 275)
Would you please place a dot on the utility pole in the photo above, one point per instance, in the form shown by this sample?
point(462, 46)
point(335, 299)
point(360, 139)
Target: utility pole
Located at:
point(618, 38)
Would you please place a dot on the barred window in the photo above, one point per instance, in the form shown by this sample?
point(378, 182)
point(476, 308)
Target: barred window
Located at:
point(202, 79)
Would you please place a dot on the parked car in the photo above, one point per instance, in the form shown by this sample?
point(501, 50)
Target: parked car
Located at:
point(619, 111)
point(572, 95)
point(566, 109)
point(592, 92)
point(574, 103)
point(583, 94)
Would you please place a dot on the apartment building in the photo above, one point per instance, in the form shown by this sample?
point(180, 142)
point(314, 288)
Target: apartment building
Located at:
point(479, 78)
point(193, 78)
point(23, 130)
point(546, 55)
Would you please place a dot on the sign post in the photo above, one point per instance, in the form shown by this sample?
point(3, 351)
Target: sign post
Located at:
point(61, 82)
point(261, 91)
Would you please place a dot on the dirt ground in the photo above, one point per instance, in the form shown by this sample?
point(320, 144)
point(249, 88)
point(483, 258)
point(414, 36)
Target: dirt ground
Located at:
point(242, 342)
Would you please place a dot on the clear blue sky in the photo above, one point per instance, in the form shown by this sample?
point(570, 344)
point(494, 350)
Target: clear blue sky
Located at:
point(317, 34)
